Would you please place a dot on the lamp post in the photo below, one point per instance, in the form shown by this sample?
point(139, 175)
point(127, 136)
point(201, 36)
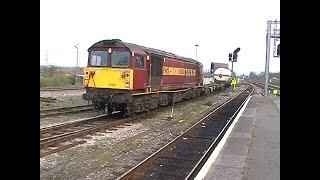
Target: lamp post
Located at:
point(197, 52)
point(76, 46)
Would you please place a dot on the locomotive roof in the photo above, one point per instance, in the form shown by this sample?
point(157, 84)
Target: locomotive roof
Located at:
point(140, 49)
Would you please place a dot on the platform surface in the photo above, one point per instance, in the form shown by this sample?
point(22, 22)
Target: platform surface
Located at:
point(252, 150)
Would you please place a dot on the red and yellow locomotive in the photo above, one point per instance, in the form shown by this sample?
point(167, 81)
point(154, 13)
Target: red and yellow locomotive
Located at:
point(130, 78)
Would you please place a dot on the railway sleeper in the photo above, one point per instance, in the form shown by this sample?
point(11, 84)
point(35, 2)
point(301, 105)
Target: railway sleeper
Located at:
point(172, 175)
point(178, 165)
point(52, 150)
point(178, 158)
point(191, 153)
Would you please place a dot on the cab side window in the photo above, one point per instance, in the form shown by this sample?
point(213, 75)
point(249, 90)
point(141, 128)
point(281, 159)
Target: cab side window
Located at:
point(139, 62)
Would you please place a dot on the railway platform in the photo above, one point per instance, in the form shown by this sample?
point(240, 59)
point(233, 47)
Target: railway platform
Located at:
point(252, 149)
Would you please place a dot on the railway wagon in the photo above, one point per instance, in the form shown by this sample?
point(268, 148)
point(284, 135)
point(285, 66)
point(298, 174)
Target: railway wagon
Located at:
point(130, 78)
point(222, 75)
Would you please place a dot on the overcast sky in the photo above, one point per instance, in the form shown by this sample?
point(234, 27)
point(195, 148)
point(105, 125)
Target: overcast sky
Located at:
point(219, 27)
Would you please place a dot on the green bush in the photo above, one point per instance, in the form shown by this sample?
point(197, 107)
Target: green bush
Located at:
point(57, 81)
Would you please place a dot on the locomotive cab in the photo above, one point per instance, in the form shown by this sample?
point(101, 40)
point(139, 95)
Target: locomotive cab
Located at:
point(108, 70)
point(109, 75)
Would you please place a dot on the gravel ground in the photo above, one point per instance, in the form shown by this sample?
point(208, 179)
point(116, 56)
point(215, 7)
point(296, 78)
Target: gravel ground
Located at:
point(64, 98)
point(108, 155)
point(49, 121)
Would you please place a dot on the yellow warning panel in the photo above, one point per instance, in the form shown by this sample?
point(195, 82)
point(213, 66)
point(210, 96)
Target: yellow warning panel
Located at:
point(113, 78)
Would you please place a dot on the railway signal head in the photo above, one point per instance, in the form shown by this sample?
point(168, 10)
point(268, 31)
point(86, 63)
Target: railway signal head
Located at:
point(235, 57)
point(236, 51)
point(212, 67)
point(230, 56)
point(235, 54)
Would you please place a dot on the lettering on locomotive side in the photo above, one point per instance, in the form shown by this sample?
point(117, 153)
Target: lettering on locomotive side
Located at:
point(112, 84)
point(165, 70)
point(187, 72)
point(178, 71)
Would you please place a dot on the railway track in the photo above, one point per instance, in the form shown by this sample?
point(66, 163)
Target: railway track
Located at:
point(184, 156)
point(270, 87)
point(65, 110)
point(66, 135)
point(47, 99)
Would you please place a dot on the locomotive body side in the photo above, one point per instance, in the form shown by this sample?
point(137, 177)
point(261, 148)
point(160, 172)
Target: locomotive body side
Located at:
point(179, 74)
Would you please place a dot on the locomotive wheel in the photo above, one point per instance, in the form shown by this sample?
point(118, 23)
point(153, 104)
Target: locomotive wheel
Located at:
point(108, 110)
point(128, 112)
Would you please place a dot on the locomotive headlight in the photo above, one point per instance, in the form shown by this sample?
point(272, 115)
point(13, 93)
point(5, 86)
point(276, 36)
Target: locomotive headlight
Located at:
point(86, 75)
point(122, 74)
point(127, 79)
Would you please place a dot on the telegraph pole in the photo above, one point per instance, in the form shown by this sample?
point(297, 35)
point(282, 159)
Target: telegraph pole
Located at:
point(47, 62)
point(267, 59)
point(47, 58)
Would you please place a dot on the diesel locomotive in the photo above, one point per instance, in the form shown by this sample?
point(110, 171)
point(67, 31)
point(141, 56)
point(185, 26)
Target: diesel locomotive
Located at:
point(130, 78)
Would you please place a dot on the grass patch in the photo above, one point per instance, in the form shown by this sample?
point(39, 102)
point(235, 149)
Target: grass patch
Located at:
point(57, 81)
point(208, 103)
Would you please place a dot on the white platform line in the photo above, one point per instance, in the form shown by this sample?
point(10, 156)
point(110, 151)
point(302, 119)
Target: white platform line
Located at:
point(204, 170)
